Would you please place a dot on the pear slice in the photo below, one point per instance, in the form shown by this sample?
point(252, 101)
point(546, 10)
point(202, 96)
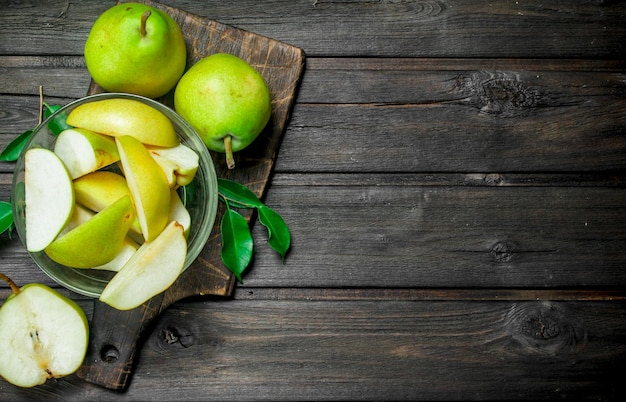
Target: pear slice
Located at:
point(84, 151)
point(48, 195)
point(150, 271)
point(147, 184)
point(129, 247)
point(99, 189)
point(179, 163)
point(117, 117)
point(179, 213)
point(97, 241)
point(43, 335)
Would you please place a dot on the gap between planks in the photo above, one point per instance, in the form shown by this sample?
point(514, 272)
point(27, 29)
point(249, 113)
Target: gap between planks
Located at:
point(442, 294)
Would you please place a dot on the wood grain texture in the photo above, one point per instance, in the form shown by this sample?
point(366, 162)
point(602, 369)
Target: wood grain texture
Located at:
point(453, 176)
point(414, 28)
point(259, 349)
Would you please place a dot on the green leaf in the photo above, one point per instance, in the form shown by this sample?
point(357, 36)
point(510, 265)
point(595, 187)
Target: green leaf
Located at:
point(237, 243)
point(58, 124)
point(278, 234)
point(238, 195)
point(6, 216)
point(13, 151)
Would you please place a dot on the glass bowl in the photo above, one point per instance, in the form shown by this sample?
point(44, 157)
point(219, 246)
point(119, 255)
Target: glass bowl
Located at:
point(200, 198)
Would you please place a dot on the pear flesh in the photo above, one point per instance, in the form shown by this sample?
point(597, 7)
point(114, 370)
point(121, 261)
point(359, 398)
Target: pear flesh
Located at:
point(48, 195)
point(84, 151)
point(155, 265)
point(43, 335)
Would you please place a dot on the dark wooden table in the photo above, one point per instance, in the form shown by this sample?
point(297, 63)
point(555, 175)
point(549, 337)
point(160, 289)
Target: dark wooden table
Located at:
point(453, 175)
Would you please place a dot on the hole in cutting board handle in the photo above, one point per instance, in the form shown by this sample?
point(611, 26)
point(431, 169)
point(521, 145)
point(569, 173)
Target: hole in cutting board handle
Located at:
point(109, 354)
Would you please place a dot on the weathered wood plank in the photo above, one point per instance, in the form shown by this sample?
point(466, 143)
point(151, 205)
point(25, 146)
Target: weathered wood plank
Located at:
point(432, 28)
point(432, 236)
point(376, 350)
point(414, 117)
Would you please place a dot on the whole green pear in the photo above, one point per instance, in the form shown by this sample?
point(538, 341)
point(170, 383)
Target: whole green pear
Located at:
point(226, 101)
point(137, 49)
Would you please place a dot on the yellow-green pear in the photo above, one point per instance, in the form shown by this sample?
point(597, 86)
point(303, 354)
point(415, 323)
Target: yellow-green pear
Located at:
point(147, 184)
point(43, 335)
point(137, 49)
point(84, 151)
point(179, 163)
point(121, 116)
point(99, 189)
point(96, 241)
point(226, 101)
point(48, 197)
point(150, 271)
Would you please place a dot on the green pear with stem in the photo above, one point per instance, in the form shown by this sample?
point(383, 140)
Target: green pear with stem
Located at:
point(43, 335)
point(136, 48)
point(226, 100)
point(48, 197)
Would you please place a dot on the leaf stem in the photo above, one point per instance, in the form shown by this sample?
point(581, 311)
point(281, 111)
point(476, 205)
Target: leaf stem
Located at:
point(12, 284)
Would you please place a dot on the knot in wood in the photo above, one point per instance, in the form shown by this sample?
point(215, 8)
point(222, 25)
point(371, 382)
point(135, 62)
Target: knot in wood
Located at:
point(494, 179)
point(544, 327)
point(501, 252)
point(499, 93)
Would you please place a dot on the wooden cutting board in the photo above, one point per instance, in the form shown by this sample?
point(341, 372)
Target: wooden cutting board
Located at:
point(115, 334)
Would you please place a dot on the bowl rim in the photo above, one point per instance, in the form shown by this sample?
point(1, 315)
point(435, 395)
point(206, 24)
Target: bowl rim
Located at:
point(206, 169)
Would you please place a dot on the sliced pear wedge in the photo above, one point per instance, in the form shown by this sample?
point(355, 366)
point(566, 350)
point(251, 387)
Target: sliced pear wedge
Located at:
point(97, 241)
point(48, 195)
point(147, 184)
point(129, 247)
point(151, 270)
point(117, 117)
point(179, 163)
point(179, 213)
point(84, 151)
point(98, 190)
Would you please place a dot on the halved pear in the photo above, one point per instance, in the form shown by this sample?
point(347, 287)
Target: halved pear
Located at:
point(179, 163)
point(178, 212)
point(99, 189)
point(117, 117)
point(147, 184)
point(43, 335)
point(84, 151)
point(48, 195)
point(97, 241)
point(150, 271)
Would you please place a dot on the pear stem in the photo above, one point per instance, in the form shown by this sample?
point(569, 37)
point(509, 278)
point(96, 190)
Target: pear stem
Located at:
point(144, 18)
point(12, 284)
point(228, 150)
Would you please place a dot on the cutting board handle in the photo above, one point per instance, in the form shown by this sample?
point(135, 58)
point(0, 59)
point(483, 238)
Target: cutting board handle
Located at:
point(111, 355)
